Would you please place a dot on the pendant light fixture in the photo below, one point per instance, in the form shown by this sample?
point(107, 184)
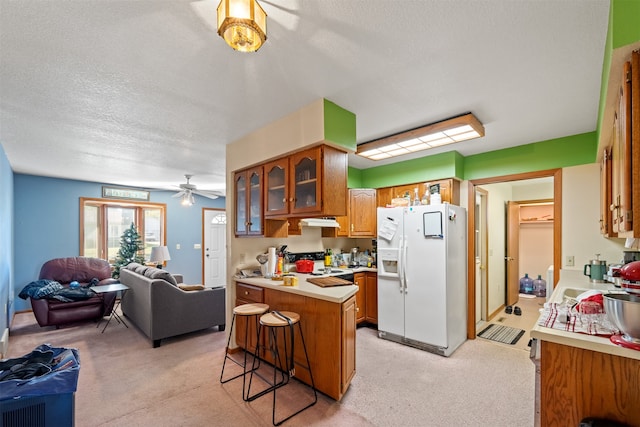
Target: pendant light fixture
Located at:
point(242, 24)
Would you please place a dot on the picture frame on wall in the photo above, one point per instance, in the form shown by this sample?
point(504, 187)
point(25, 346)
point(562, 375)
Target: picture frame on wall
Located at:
point(124, 193)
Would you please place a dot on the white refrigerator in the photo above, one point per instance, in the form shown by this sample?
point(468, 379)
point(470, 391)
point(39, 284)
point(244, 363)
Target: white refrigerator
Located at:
point(422, 276)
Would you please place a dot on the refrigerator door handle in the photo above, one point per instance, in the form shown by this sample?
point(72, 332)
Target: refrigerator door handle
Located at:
point(401, 264)
point(404, 265)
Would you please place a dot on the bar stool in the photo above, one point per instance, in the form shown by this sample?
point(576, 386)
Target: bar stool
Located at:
point(247, 310)
point(282, 321)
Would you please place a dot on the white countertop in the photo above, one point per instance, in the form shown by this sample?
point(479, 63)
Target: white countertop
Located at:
point(337, 294)
point(570, 279)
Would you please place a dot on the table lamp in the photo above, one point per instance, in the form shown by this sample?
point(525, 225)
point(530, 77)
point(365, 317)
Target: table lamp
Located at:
point(159, 254)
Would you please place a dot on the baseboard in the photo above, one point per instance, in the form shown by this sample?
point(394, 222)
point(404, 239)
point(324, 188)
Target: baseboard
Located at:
point(4, 344)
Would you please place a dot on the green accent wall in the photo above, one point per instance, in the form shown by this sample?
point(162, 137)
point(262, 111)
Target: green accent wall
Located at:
point(444, 165)
point(354, 178)
point(624, 22)
point(339, 126)
point(554, 153)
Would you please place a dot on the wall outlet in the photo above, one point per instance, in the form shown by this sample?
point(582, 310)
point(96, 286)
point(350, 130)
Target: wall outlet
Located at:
point(196, 246)
point(177, 245)
point(570, 262)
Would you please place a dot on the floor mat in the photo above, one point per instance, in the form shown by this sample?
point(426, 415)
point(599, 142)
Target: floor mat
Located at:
point(503, 334)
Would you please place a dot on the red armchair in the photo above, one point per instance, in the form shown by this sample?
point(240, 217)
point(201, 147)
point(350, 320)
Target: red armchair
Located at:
point(51, 312)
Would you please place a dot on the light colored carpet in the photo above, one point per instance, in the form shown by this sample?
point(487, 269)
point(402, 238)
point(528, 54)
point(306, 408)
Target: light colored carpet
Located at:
point(125, 382)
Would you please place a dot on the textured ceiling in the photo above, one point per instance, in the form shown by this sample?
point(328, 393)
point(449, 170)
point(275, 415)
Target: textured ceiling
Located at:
point(141, 92)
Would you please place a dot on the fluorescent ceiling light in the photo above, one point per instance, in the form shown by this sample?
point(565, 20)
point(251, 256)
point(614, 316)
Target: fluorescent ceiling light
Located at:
point(455, 129)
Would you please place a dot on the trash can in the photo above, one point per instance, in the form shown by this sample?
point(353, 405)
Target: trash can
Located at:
point(38, 389)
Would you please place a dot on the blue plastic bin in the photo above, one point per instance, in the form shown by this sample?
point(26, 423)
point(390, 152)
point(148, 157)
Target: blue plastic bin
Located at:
point(47, 400)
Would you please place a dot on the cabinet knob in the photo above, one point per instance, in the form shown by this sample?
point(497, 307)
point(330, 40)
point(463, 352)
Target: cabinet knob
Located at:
point(291, 199)
point(246, 292)
point(284, 200)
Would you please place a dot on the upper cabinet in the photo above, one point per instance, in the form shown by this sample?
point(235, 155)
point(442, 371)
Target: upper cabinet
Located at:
point(619, 177)
point(248, 197)
point(361, 217)
point(276, 200)
point(312, 182)
point(449, 190)
point(362, 212)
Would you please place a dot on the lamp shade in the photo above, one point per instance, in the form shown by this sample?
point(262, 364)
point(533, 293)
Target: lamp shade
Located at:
point(242, 24)
point(159, 254)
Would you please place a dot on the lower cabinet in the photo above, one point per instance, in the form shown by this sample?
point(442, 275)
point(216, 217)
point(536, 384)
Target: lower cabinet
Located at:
point(576, 383)
point(247, 294)
point(366, 297)
point(329, 330)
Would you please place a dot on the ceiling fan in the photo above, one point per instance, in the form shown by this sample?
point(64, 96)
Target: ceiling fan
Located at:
point(188, 190)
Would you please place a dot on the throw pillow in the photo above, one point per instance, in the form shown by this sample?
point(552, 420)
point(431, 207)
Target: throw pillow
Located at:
point(163, 274)
point(132, 266)
point(141, 269)
point(190, 287)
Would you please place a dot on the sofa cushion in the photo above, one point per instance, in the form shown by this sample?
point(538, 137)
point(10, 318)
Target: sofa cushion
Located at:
point(163, 274)
point(80, 269)
point(132, 266)
point(141, 269)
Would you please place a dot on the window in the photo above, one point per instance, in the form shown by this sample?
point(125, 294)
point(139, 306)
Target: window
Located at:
point(102, 222)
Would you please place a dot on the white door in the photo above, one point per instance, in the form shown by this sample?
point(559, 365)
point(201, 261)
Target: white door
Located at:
point(215, 226)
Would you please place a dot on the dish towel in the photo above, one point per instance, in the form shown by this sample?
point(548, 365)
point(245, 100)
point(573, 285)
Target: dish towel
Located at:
point(566, 318)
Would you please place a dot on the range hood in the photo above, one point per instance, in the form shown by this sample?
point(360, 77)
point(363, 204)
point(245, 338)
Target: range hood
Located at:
point(319, 222)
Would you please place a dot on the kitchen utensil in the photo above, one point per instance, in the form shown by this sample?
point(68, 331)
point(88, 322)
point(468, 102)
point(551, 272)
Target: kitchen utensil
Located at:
point(623, 310)
point(597, 268)
point(304, 266)
point(630, 277)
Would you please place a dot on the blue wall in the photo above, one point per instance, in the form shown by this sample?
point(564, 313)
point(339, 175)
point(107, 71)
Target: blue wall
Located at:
point(6, 241)
point(47, 225)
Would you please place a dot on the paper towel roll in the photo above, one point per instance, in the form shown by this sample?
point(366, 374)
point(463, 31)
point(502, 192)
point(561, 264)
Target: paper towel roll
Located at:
point(272, 261)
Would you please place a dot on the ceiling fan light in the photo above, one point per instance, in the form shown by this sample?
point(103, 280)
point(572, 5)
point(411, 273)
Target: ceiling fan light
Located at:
point(242, 24)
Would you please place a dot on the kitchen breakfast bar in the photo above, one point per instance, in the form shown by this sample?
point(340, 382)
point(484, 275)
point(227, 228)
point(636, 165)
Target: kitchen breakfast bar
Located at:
point(328, 321)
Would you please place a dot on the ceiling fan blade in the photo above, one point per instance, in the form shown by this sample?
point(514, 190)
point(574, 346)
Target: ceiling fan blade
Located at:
point(208, 194)
point(180, 193)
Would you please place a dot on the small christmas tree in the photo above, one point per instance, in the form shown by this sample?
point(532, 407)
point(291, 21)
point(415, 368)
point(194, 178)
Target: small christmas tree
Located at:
point(131, 250)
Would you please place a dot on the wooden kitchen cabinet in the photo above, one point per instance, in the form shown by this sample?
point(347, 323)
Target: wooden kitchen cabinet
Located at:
point(248, 197)
point(620, 176)
point(361, 218)
point(362, 212)
point(312, 182)
point(449, 191)
point(367, 297)
point(247, 294)
point(359, 279)
point(349, 312)
point(371, 297)
point(329, 334)
point(606, 220)
point(576, 383)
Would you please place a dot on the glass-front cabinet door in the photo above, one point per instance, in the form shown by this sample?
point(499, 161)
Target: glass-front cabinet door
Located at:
point(255, 201)
point(248, 192)
point(306, 180)
point(277, 191)
point(241, 203)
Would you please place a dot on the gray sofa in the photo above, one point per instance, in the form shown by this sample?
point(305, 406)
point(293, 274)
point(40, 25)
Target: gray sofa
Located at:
point(160, 309)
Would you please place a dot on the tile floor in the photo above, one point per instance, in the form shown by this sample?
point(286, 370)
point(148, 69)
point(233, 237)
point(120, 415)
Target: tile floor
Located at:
point(530, 312)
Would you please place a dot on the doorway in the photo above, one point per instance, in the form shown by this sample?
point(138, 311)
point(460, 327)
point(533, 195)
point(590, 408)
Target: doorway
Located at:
point(475, 294)
point(214, 256)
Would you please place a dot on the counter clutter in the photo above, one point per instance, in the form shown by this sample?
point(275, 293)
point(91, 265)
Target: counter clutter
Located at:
point(572, 283)
point(581, 375)
point(336, 294)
